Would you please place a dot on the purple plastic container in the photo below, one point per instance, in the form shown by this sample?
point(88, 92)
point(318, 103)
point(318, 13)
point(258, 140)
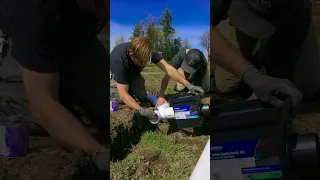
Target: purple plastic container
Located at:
point(114, 106)
point(14, 140)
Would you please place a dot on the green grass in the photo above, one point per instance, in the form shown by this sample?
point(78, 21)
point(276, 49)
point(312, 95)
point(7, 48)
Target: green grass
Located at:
point(152, 69)
point(166, 159)
point(153, 81)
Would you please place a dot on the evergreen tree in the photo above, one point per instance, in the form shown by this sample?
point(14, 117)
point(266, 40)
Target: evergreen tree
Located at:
point(168, 33)
point(186, 44)
point(137, 31)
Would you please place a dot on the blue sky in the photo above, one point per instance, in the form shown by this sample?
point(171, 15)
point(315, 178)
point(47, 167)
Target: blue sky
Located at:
point(190, 18)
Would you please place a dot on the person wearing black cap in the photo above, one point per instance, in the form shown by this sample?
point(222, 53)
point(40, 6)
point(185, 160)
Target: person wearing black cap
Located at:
point(192, 64)
point(287, 60)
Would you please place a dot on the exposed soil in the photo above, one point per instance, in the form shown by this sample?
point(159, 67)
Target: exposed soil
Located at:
point(149, 160)
point(48, 161)
point(152, 160)
point(126, 127)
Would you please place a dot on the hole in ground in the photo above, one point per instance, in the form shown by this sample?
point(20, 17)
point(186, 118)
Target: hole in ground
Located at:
point(127, 134)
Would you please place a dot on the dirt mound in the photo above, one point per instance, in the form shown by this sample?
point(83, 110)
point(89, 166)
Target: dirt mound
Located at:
point(48, 161)
point(126, 127)
point(122, 119)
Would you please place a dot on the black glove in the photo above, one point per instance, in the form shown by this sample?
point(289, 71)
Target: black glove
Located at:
point(266, 88)
point(195, 90)
point(148, 113)
point(101, 159)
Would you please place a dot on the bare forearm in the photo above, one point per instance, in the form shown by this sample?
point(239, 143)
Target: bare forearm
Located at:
point(65, 128)
point(226, 55)
point(129, 101)
point(246, 44)
point(164, 84)
point(175, 75)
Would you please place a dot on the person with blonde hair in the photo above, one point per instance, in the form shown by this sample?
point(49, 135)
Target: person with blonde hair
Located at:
point(127, 61)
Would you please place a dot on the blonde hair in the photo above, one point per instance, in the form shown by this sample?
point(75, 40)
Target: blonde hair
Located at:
point(141, 50)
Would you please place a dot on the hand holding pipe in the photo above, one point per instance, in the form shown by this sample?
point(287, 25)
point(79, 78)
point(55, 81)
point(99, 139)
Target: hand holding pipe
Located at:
point(163, 112)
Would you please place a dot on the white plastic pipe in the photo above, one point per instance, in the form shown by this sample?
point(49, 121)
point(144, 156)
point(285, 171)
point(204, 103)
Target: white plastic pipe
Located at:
point(202, 169)
point(163, 112)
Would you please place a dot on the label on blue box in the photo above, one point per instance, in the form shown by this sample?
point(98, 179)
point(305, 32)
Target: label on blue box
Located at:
point(186, 112)
point(246, 160)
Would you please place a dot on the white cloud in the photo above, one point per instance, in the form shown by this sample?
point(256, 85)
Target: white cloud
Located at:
point(191, 33)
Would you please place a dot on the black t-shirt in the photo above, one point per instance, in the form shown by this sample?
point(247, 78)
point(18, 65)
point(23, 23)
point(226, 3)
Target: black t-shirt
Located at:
point(43, 32)
point(122, 66)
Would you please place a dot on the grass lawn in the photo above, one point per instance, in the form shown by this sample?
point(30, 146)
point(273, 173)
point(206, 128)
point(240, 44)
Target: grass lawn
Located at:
point(157, 156)
point(153, 81)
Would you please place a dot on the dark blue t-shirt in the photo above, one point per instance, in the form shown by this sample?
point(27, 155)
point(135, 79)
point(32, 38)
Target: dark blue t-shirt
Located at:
point(122, 66)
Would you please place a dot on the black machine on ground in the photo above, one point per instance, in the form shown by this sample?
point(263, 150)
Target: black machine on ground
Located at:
point(251, 140)
point(185, 109)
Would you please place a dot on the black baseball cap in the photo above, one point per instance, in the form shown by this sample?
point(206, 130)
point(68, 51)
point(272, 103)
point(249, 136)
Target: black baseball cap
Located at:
point(192, 61)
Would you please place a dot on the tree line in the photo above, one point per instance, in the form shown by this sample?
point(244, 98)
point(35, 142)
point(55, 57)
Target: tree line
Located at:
point(163, 36)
